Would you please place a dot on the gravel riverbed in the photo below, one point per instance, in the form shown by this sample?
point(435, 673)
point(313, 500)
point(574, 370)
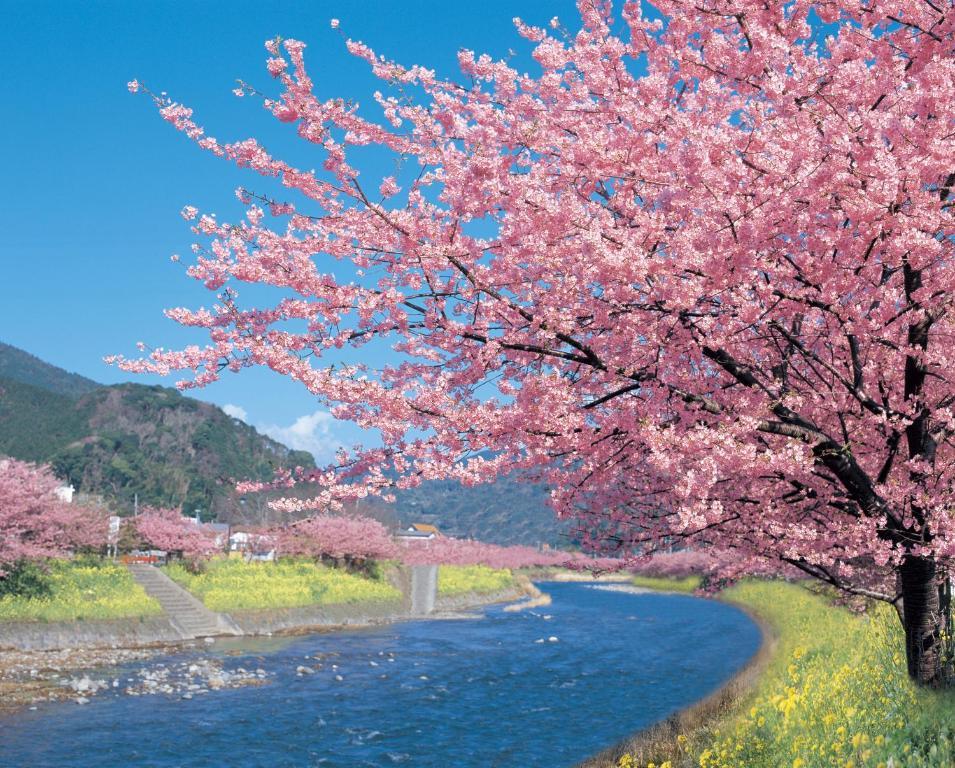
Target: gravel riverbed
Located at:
point(31, 678)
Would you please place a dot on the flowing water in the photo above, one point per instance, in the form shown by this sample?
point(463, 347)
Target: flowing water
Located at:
point(516, 690)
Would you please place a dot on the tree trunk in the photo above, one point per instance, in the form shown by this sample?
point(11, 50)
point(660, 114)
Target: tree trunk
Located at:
point(927, 612)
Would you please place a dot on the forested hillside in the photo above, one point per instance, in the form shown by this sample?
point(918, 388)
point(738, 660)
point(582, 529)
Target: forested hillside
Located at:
point(128, 440)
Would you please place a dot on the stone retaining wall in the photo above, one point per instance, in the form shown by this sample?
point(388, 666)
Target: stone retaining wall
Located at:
point(48, 636)
point(316, 616)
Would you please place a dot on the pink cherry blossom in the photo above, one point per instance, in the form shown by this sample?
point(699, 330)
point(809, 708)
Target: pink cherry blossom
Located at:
point(36, 523)
point(338, 537)
point(705, 299)
point(445, 550)
point(168, 530)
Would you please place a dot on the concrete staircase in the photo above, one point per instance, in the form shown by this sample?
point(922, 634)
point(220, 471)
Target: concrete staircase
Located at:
point(186, 613)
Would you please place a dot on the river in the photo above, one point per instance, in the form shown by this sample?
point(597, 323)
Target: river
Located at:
point(512, 690)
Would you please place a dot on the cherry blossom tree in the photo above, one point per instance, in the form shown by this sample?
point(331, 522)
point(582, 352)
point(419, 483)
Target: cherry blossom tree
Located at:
point(681, 563)
point(351, 539)
point(168, 530)
point(446, 550)
point(694, 271)
point(35, 523)
point(715, 566)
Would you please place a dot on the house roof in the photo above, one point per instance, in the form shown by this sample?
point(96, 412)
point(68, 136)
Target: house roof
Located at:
point(424, 528)
point(219, 527)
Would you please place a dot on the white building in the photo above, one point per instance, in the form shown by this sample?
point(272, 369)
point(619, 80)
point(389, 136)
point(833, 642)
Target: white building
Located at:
point(65, 493)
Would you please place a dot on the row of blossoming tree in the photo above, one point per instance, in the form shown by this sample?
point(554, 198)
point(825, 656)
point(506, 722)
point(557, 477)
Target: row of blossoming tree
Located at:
point(36, 524)
point(351, 541)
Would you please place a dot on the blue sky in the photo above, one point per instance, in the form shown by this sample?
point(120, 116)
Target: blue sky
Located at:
point(94, 180)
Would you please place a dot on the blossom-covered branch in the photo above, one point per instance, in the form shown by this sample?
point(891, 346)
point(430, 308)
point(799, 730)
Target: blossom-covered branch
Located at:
point(695, 274)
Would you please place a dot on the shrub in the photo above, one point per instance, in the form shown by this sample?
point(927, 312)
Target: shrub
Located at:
point(25, 579)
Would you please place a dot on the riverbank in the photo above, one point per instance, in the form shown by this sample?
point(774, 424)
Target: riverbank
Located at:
point(564, 575)
point(30, 677)
point(828, 687)
point(535, 598)
point(663, 744)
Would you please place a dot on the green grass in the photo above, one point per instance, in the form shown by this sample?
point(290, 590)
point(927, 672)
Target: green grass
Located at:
point(231, 585)
point(834, 693)
point(686, 584)
point(81, 591)
point(462, 579)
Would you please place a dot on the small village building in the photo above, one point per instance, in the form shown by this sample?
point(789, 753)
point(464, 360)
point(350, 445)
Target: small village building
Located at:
point(222, 532)
point(422, 531)
point(65, 493)
point(252, 545)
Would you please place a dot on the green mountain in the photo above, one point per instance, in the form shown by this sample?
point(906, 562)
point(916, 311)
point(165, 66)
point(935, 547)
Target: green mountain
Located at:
point(128, 440)
point(23, 367)
point(506, 511)
point(35, 423)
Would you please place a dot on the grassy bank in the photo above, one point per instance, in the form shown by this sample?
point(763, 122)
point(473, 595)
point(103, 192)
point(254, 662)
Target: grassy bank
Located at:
point(834, 692)
point(463, 579)
point(686, 584)
point(82, 591)
point(232, 585)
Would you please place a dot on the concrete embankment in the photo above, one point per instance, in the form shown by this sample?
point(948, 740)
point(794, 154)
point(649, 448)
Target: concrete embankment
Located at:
point(276, 620)
point(319, 617)
point(115, 633)
point(168, 629)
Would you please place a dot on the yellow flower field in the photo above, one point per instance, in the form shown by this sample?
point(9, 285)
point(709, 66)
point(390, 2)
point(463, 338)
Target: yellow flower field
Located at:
point(82, 591)
point(230, 585)
point(462, 579)
point(836, 693)
point(686, 584)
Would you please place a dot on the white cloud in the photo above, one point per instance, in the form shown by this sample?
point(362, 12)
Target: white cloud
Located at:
point(314, 433)
point(236, 411)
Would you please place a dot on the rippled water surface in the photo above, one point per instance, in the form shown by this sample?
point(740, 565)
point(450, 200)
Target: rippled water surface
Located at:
point(471, 692)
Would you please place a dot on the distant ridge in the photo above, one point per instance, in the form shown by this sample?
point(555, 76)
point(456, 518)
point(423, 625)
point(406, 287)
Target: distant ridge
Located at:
point(126, 441)
point(17, 365)
point(131, 441)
